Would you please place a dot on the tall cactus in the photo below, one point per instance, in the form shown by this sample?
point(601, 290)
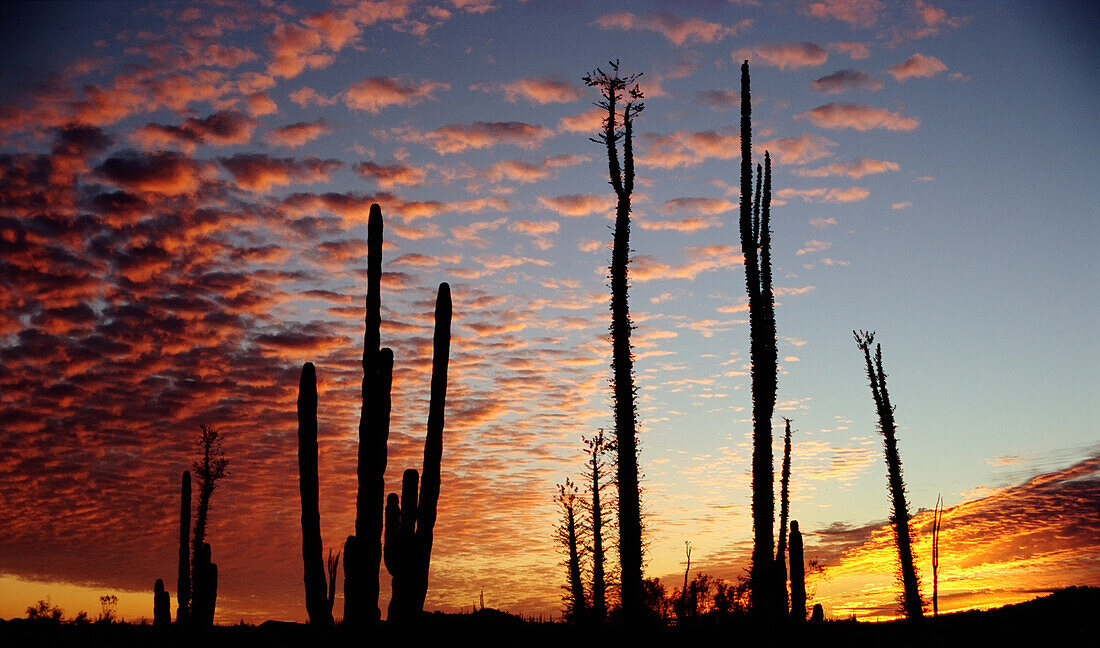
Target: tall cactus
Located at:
point(784, 510)
point(317, 603)
point(363, 551)
point(798, 575)
point(911, 601)
point(410, 521)
point(205, 583)
point(754, 225)
point(183, 577)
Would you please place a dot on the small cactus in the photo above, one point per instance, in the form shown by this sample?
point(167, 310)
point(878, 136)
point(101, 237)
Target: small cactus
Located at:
point(798, 575)
point(162, 605)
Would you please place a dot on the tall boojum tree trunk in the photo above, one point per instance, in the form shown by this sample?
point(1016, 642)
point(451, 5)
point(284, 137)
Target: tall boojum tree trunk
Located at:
point(754, 226)
point(784, 511)
point(911, 601)
point(612, 88)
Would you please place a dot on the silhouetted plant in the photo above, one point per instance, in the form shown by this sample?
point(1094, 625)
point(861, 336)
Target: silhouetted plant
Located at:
point(615, 89)
point(680, 607)
point(162, 605)
point(211, 468)
point(576, 608)
point(784, 511)
point(108, 603)
point(332, 564)
point(318, 605)
point(45, 610)
point(937, 523)
point(204, 583)
point(363, 551)
point(911, 603)
point(183, 577)
point(410, 521)
point(598, 446)
point(754, 224)
point(798, 575)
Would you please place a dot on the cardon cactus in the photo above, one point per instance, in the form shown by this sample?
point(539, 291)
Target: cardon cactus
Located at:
point(183, 578)
point(206, 589)
point(162, 605)
point(798, 575)
point(412, 558)
point(317, 603)
point(363, 551)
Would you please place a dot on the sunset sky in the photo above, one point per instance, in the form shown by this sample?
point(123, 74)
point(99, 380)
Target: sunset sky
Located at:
point(183, 198)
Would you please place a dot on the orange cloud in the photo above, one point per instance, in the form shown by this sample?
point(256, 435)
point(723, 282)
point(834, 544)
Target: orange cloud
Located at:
point(221, 128)
point(676, 29)
point(851, 194)
point(797, 150)
point(854, 169)
point(700, 259)
point(537, 90)
point(785, 56)
point(375, 93)
point(456, 138)
point(298, 133)
point(389, 175)
point(258, 172)
point(687, 148)
point(578, 204)
point(917, 66)
point(589, 121)
point(861, 118)
point(525, 172)
point(705, 206)
point(1027, 539)
point(164, 172)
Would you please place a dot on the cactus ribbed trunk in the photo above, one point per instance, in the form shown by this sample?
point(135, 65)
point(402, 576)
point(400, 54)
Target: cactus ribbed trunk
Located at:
point(410, 520)
point(782, 599)
point(205, 583)
point(798, 575)
point(433, 445)
point(183, 577)
point(317, 602)
point(754, 226)
point(363, 551)
point(911, 601)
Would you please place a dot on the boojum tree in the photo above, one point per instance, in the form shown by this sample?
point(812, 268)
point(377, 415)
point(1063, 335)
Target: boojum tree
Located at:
point(754, 225)
point(622, 98)
point(911, 602)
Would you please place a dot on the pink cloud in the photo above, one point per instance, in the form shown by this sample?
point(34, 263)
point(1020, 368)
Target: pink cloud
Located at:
point(857, 117)
point(917, 65)
point(258, 172)
point(797, 150)
point(858, 13)
point(390, 175)
point(298, 133)
point(163, 172)
point(844, 80)
point(854, 169)
point(221, 128)
point(375, 93)
point(456, 138)
point(676, 29)
point(589, 121)
point(821, 195)
point(686, 148)
point(785, 56)
point(537, 90)
point(578, 204)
